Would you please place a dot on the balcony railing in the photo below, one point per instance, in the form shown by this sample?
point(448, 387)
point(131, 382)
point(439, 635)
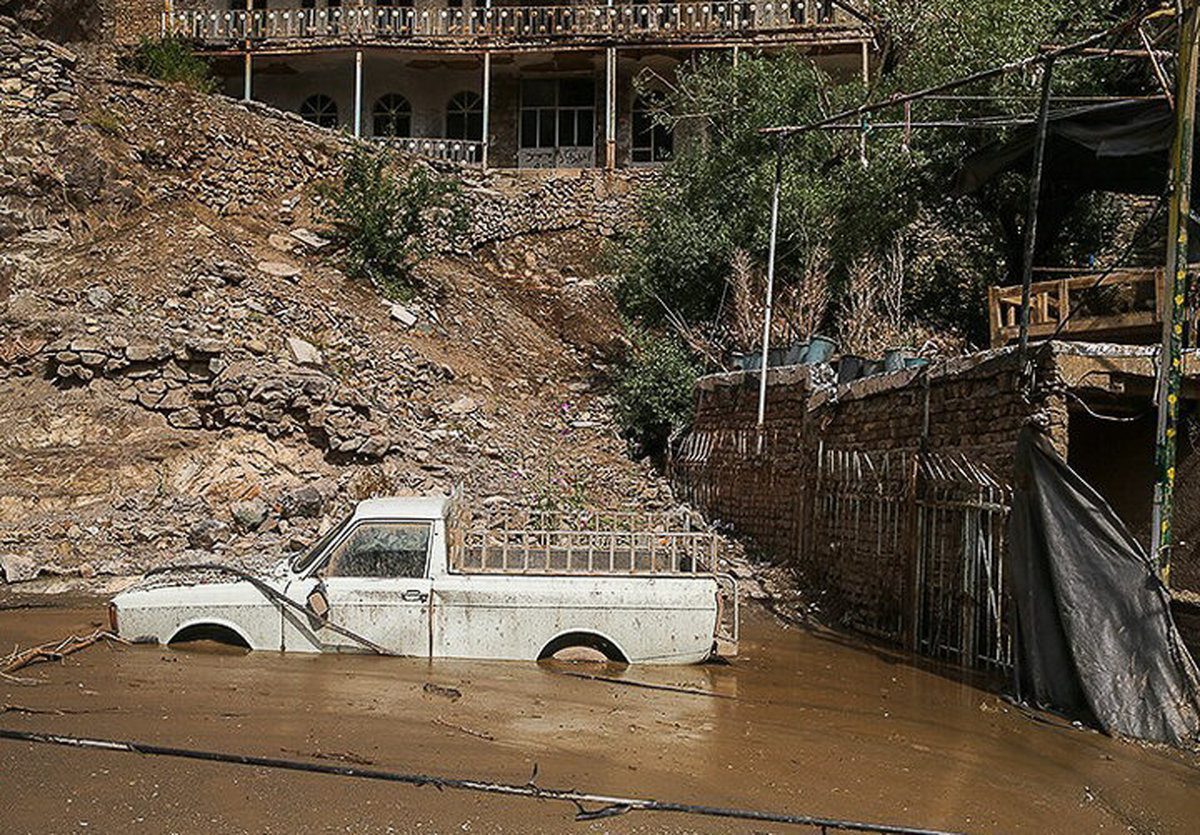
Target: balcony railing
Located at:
point(1121, 305)
point(454, 150)
point(508, 23)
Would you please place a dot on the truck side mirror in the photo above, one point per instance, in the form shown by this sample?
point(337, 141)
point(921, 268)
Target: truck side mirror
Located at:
point(317, 603)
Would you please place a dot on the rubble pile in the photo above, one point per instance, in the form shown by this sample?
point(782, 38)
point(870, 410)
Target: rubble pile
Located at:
point(186, 369)
point(35, 76)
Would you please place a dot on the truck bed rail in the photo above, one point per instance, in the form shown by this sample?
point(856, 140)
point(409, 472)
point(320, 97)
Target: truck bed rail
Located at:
point(581, 543)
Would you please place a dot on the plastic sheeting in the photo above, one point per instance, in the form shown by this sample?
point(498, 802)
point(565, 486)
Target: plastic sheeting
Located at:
point(1116, 146)
point(1095, 638)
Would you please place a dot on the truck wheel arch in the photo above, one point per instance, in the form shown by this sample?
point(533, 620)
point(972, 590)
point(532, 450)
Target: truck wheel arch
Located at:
point(584, 639)
point(222, 632)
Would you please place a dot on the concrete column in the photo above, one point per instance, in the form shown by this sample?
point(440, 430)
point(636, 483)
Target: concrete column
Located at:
point(358, 94)
point(247, 72)
point(610, 108)
point(487, 106)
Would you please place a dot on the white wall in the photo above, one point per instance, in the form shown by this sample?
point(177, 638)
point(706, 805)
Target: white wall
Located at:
point(285, 82)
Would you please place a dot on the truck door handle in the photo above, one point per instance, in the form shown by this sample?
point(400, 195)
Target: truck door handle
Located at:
point(414, 596)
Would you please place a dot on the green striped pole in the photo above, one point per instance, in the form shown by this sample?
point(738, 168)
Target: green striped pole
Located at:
point(1170, 379)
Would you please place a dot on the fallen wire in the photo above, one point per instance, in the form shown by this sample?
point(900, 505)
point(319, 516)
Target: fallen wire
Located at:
point(608, 805)
point(272, 594)
point(670, 688)
point(54, 651)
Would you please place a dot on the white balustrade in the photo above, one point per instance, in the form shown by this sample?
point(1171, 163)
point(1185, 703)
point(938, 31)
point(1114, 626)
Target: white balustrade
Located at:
point(454, 150)
point(506, 22)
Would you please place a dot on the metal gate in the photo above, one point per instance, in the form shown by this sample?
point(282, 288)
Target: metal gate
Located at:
point(961, 607)
point(910, 547)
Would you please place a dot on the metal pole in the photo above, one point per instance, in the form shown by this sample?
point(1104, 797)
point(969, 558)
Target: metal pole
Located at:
point(246, 91)
point(610, 107)
point(1170, 376)
point(766, 337)
point(487, 105)
point(358, 78)
point(1035, 192)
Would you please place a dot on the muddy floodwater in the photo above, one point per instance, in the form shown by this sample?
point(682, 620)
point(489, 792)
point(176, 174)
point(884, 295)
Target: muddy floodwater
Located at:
point(803, 722)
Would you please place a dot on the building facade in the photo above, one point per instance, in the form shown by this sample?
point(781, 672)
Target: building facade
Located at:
point(492, 83)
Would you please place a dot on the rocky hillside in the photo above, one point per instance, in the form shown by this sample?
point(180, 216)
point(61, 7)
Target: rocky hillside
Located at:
point(183, 365)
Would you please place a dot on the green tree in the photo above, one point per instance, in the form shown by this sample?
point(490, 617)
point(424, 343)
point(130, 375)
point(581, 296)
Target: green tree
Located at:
point(713, 199)
point(654, 391)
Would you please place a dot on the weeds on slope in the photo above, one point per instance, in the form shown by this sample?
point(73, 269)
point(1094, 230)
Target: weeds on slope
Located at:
point(388, 220)
point(171, 59)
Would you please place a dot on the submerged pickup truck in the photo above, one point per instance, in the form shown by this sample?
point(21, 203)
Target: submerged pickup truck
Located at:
point(428, 577)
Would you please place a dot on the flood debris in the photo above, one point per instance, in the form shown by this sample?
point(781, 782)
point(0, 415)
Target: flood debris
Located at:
point(451, 693)
point(669, 688)
point(55, 650)
point(462, 729)
point(607, 805)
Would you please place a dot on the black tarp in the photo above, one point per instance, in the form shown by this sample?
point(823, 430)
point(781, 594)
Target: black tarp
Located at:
point(1095, 638)
point(1116, 146)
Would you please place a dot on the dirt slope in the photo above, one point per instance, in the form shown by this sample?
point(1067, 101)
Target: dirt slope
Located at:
point(170, 353)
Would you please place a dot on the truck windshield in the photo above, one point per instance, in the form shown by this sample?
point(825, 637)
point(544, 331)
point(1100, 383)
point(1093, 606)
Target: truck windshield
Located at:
point(303, 562)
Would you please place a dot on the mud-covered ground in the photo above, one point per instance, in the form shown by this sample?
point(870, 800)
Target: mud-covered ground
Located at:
point(802, 722)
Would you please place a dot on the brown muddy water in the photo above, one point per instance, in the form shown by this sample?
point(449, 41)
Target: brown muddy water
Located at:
point(804, 722)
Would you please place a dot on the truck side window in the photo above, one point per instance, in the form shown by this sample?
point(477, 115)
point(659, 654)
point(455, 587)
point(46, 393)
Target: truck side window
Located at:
point(382, 549)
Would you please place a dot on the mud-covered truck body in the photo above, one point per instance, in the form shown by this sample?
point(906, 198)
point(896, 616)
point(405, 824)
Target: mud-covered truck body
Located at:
point(427, 577)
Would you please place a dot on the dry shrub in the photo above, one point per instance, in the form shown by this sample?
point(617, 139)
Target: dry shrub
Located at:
point(799, 307)
point(871, 314)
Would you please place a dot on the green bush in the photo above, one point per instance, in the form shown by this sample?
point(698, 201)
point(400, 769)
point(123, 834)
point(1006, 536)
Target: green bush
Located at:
point(171, 59)
point(385, 219)
point(654, 392)
point(712, 200)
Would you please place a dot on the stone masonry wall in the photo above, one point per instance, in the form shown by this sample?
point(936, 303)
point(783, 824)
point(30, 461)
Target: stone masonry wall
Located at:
point(971, 405)
point(765, 485)
point(136, 19)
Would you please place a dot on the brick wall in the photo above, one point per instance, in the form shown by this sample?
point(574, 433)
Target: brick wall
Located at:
point(834, 486)
point(970, 406)
point(858, 568)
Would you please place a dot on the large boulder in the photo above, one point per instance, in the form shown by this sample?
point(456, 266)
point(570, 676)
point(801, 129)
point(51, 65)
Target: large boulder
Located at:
point(306, 501)
point(249, 515)
point(18, 569)
point(207, 533)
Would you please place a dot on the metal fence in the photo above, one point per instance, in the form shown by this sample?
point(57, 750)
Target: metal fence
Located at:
point(912, 545)
point(909, 547)
point(523, 541)
point(462, 151)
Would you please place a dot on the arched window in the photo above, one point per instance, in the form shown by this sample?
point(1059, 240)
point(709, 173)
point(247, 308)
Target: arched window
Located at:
point(464, 117)
point(320, 110)
point(652, 141)
point(392, 116)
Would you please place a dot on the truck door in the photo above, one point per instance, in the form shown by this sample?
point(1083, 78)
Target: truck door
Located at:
point(377, 585)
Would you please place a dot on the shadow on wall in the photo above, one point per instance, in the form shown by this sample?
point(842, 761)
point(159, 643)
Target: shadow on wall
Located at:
point(65, 21)
point(1117, 458)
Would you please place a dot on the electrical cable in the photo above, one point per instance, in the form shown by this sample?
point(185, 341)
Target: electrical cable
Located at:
point(273, 594)
point(610, 805)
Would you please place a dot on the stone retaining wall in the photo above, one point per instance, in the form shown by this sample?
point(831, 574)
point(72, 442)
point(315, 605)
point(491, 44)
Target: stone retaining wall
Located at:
point(204, 384)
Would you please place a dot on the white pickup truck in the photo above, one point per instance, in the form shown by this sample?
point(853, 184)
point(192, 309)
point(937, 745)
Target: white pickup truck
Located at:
point(420, 577)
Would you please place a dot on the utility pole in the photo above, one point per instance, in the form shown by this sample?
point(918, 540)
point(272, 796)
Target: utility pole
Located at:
point(1031, 216)
point(1175, 279)
point(766, 337)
